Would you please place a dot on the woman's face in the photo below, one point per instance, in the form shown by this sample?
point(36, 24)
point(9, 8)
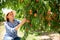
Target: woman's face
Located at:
point(10, 16)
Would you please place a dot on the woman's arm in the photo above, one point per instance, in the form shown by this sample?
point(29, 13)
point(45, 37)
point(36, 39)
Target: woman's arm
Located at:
point(19, 25)
point(12, 30)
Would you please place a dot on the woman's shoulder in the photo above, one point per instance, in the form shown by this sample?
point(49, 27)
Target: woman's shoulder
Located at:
point(17, 20)
point(5, 22)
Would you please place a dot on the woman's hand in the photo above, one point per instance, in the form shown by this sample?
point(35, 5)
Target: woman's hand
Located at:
point(23, 21)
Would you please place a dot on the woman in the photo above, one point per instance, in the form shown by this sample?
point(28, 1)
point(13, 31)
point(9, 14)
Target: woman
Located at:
point(11, 24)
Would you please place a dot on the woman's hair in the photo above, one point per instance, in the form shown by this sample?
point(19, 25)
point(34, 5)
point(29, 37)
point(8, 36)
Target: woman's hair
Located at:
point(7, 19)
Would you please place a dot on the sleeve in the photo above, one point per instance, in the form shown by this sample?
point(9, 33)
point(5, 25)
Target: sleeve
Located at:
point(9, 28)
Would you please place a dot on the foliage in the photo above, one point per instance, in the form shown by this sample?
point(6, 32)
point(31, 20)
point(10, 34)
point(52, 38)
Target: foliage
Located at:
point(43, 16)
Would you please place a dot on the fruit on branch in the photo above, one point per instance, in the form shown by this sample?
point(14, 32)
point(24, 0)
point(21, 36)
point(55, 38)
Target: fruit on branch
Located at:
point(30, 12)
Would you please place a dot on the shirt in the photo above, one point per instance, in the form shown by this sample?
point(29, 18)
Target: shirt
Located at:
point(10, 28)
